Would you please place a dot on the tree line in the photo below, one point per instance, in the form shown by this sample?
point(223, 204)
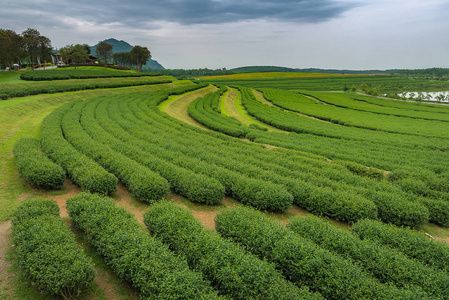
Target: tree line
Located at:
point(26, 48)
point(30, 48)
point(138, 56)
point(78, 54)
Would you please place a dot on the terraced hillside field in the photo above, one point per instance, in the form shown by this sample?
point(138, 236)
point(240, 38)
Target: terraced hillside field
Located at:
point(224, 153)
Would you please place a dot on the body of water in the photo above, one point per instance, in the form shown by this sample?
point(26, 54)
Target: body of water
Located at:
point(427, 96)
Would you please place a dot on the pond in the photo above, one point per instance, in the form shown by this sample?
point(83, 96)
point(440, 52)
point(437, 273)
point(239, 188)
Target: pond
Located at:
point(427, 96)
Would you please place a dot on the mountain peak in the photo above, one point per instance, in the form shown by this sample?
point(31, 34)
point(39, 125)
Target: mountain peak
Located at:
point(123, 46)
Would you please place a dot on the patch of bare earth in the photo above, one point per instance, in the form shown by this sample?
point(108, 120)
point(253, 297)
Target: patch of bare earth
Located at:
point(61, 200)
point(5, 245)
point(229, 105)
point(206, 217)
point(124, 199)
point(178, 107)
point(446, 239)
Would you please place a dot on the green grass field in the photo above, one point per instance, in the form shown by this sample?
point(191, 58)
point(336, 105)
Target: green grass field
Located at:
point(318, 162)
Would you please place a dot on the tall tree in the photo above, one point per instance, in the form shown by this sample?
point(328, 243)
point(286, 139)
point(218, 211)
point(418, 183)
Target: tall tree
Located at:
point(140, 56)
point(44, 50)
point(74, 54)
point(10, 47)
point(36, 46)
point(123, 58)
point(104, 52)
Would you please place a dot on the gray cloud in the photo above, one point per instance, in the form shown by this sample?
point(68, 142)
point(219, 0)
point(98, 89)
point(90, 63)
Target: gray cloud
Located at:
point(185, 12)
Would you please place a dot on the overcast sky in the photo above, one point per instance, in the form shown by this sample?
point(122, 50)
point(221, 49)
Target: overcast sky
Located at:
point(343, 34)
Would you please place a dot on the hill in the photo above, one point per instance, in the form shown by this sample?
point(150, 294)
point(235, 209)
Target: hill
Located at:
point(263, 69)
point(122, 46)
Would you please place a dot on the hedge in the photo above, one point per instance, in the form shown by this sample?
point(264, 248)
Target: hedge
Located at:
point(412, 243)
point(35, 167)
point(302, 261)
point(47, 251)
point(70, 86)
point(143, 183)
point(388, 265)
point(82, 170)
point(133, 254)
point(195, 187)
point(77, 74)
point(230, 269)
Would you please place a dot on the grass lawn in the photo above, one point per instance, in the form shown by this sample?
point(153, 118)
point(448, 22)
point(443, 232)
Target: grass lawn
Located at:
point(11, 77)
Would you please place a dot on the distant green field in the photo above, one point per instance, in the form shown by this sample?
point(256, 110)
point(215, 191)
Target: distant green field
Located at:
point(382, 83)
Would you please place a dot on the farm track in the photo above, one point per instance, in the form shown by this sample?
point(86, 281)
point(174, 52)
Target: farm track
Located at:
point(228, 100)
point(5, 246)
point(177, 106)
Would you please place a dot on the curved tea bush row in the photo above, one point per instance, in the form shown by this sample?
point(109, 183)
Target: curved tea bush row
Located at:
point(294, 122)
point(413, 244)
point(388, 265)
point(332, 202)
point(195, 187)
point(76, 74)
point(47, 251)
point(357, 102)
point(302, 261)
point(261, 194)
point(353, 207)
point(35, 167)
point(205, 110)
point(133, 254)
point(231, 271)
point(83, 171)
point(143, 183)
point(61, 87)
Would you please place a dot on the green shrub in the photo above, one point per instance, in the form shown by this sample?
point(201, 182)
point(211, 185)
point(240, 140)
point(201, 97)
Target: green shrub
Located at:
point(412, 243)
point(143, 183)
point(232, 271)
point(301, 260)
point(133, 254)
point(82, 170)
point(386, 264)
point(362, 170)
point(47, 251)
point(35, 167)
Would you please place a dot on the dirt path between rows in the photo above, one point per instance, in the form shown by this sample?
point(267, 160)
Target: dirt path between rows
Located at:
point(5, 246)
point(229, 105)
point(178, 107)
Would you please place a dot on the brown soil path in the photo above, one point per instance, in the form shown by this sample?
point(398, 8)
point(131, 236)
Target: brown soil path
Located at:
point(178, 107)
point(228, 100)
point(5, 246)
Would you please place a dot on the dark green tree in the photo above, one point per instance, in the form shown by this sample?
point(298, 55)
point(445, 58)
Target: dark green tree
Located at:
point(104, 52)
point(36, 46)
point(140, 56)
point(123, 59)
point(10, 48)
point(74, 54)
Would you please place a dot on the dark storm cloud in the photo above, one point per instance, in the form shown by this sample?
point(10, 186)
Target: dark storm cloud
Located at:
point(226, 11)
point(183, 12)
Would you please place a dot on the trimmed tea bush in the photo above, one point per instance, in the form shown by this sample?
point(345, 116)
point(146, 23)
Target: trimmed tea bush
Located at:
point(133, 254)
point(47, 251)
point(302, 261)
point(412, 243)
point(84, 172)
point(232, 271)
point(388, 265)
point(35, 167)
